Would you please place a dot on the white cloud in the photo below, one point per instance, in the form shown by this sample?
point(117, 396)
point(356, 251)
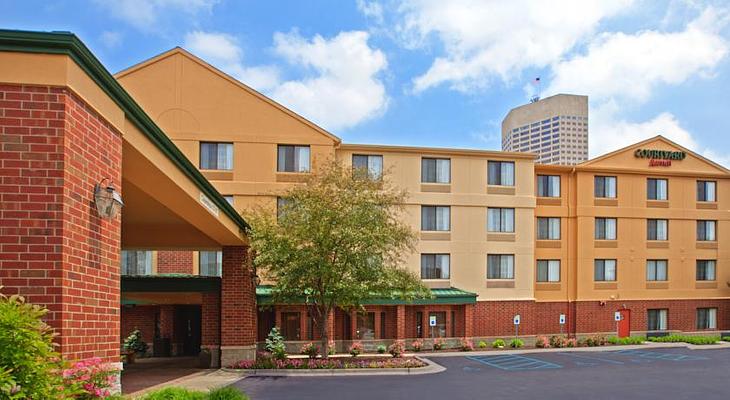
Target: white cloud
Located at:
point(223, 51)
point(341, 87)
point(111, 39)
point(345, 88)
point(484, 40)
point(371, 9)
point(630, 66)
point(145, 14)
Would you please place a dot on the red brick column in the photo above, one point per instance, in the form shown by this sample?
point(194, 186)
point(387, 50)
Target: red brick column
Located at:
point(331, 325)
point(54, 248)
point(238, 306)
point(468, 320)
point(353, 325)
point(211, 330)
point(400, 322)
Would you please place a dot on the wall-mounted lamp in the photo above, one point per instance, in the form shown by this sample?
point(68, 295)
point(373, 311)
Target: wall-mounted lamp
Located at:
point(108, 201)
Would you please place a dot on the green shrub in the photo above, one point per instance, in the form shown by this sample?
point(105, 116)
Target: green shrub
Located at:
point(482, 344)
point(726, 338)
point(226, 393)
point(173, 393)
point(134, 343)
point(310, 349)
point(29, 366)
point(626, 340)
point(516, 343)
point(498, 344)
point(557, 341)
point(382, 349)
point(275, 344)
point(686, 339)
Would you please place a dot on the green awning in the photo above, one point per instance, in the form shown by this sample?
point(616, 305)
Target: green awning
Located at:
point(440, 296)
point(170, 283)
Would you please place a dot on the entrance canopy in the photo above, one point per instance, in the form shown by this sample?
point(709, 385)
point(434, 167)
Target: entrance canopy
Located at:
point(168, 204)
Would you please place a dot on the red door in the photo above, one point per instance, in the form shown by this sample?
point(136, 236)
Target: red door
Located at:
point(624, 326)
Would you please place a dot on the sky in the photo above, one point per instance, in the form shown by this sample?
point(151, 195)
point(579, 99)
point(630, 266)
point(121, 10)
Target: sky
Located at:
point(438, 73)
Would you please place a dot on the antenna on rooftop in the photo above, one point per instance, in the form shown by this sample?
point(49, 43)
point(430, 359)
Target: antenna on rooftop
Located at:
point(536, 97)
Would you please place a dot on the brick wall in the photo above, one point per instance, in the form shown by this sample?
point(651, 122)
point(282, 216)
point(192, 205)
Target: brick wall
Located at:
point(139, 317)
point(238, 306)
point(56, 250)
point(174, 262)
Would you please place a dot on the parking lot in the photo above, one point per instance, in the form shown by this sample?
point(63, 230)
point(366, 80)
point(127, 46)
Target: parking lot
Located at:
point(675, 373)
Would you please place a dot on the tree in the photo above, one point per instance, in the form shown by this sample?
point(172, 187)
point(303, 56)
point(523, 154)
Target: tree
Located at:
point(337, 240)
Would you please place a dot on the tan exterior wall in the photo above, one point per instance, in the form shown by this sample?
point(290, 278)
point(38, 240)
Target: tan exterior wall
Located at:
point(632, 210)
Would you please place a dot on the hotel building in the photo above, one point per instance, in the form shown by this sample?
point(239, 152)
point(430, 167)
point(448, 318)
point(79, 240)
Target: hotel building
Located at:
point(555, 128)
point(639, 231)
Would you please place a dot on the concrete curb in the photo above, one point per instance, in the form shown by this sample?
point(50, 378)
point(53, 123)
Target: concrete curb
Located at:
point(645, 345)
point(430, 368)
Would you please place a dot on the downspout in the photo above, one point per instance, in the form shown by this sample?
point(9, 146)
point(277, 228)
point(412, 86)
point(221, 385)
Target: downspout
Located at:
point(571, 221)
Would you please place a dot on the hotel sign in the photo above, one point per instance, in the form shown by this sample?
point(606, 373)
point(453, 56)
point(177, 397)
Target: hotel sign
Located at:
point(660, 158)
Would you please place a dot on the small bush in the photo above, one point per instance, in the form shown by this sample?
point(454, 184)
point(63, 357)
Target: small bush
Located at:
point(498, 344)
point(275, 344)
point(29, 365)
point(466, 345)
point(356, 349)
point(625, 340)
point(482, 344)
point(310, 349)
point(226, 393)
point(331, 350)
point(438, 344)
point(381, 349)
point(557, 341)
point(516, 343)
point(572, 342)
point(686, 339)
point(397, 349)
point(417, 345)
point(541, 342)
point(173, 393)
point(595, 340)
point(726, 338)
point(134, 343)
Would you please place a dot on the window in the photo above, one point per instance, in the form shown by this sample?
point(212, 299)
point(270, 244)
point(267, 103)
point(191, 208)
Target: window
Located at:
point(604, 270)
point(548, 270)
point(706, 270)
point(282, 204)
point(210, 263)
point(706, 191)
point(500, 266)
point(656, 320)
point(501, 173)
point(216, 156)
point(435, 170)
point(656, 270)
point(656, 189)
point(291, 326)
point(548, 186)
point(605, 187)
point(366, 326)
point(435, 218)
point(657, 229)
point(229, 198)
point(435, 266)
point(707, 318)
point(440, 329)
point(706, 230)
point(548, 228)
point(605, 229)
point(501, 219)
point(136, 262)
point(371, 165)
point(293, 159)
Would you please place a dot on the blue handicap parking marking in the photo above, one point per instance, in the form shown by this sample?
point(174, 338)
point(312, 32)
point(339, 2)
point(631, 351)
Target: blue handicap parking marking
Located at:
point(655, 355)
point(513, 362)
point(590, 359)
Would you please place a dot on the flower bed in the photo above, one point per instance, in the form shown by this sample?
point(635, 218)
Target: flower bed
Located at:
point(330, 363)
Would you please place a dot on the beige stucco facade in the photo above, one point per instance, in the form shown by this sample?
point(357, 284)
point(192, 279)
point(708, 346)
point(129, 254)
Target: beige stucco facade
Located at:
point(194, 103)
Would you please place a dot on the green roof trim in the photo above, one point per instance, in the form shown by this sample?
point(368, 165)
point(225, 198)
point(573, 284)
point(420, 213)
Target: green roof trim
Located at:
point(168, 283)
point(69, 44)
point(264, 296)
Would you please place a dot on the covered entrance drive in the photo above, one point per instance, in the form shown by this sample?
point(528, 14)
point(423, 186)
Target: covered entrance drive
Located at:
point(74, 138)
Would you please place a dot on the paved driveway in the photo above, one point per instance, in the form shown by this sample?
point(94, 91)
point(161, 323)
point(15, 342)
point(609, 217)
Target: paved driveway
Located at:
point(664, 374)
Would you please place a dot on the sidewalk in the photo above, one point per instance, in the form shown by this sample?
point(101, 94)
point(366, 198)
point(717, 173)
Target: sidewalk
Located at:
point(202, 381)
